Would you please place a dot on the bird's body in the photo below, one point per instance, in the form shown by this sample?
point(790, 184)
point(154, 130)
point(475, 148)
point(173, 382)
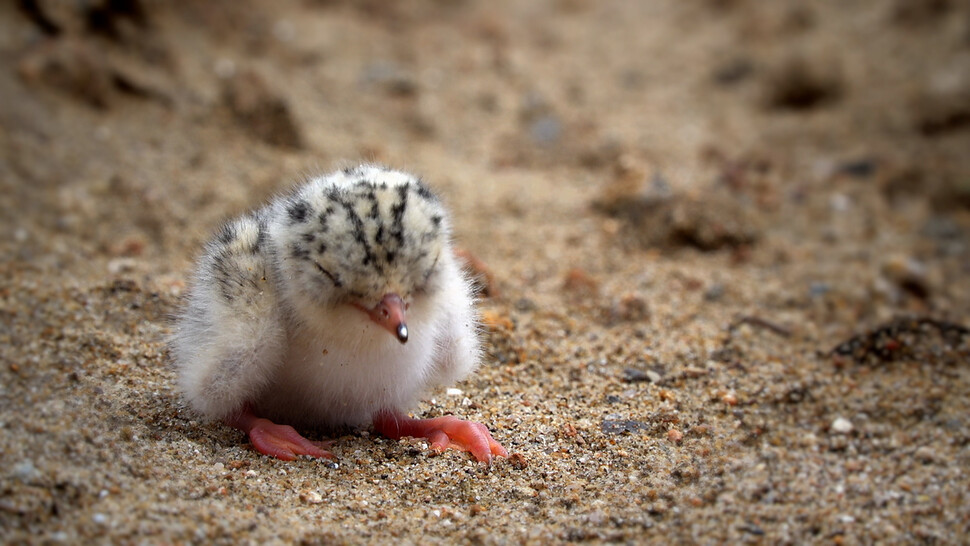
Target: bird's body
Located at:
point(297, 312)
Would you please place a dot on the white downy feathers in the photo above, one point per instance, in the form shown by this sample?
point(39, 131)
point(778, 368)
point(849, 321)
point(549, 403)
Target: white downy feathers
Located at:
point(273, 316)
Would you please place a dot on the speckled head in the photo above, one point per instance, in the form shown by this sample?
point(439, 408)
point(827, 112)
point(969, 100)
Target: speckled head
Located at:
point(357, 235)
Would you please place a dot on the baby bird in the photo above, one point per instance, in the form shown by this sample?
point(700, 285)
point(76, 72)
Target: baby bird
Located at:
point(338, 304)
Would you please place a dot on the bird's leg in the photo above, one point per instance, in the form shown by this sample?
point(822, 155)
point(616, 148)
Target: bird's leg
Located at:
point(280, 441)
point(443, 433)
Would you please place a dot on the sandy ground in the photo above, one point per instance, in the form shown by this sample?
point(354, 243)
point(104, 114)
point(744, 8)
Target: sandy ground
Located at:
point(704, 221)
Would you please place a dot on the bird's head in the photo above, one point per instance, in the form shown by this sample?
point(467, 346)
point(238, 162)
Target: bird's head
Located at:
point(368, 237)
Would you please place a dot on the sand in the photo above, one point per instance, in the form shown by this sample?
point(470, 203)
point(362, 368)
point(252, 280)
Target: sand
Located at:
point(728, 248)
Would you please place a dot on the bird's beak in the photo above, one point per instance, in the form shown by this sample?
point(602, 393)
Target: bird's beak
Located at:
point(389, 314)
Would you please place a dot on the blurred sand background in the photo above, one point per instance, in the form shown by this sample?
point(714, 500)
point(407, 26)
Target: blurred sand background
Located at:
point(684, 206)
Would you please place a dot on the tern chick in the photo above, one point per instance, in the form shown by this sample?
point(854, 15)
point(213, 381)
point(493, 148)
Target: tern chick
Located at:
point(338, 304)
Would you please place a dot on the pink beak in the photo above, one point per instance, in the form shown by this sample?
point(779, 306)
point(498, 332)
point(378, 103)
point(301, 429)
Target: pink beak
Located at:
point(389, 314)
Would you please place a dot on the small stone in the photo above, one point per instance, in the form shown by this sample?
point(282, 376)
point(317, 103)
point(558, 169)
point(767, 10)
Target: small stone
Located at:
point(121, 265)
point(634, 375)
point(907, 273)
point(546, 130)
point(261, 110)
point(715, 292)
point(391, 78)
point(451, 391)
point(841, 426)
point(518, 461)
point(25, 471)
point(675, 435)
point(752, 529)
point(72, 67)
point(579, 281)
point(311, 497)
point(596, 518)
point(858, 168)
point(99, 518)
point(629, 308)
point(925, 455)
point(818, 289)
point(840, 202)
point(524, 492)
point(621, 426)
point(225, 68)
point(284, 31)
point(854, 465)
point(801, 83)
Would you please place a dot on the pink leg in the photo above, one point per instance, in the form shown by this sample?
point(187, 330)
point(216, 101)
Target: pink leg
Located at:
point(280, 441)
point(443, 433)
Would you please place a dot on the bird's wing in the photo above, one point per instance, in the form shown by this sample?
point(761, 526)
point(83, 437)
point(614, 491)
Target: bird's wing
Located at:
point(229, 338)
point(458, 349)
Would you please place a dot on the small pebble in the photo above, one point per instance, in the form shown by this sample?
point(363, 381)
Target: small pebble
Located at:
point(842, 426)
point(634, 375)
point(524, 492)
point(225, 68)
point(121, 265)
point(818, 289)
point(925, 455)
point(311, 497)
point(518, 461)
point(840, 202)
point(25, 471)
point(714, 293)
point(546, 130)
